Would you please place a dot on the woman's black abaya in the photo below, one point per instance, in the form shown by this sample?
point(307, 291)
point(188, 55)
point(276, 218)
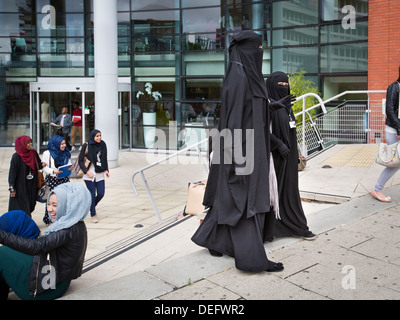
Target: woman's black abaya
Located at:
point(284, 150)
point(238, 206)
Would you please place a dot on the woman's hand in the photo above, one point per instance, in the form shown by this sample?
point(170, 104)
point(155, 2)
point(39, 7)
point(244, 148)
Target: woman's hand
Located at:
point(90, 175)
point(107, 173)
point(12, 192)
point(56, 171)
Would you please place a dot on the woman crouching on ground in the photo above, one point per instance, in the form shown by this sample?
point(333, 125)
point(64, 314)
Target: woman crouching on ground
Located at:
point(43, 268)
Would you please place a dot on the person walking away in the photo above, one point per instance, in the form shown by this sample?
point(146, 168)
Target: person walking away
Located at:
point(238, 200)
point(392, 134)
point(77, 124)
point(56, 155)
point(292, 220)
point(22, 176)
point(43, 268)
point(94, 174)
point(64, 121)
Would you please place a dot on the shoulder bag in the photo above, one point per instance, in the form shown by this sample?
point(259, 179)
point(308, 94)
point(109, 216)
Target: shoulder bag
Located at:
point(388, 155)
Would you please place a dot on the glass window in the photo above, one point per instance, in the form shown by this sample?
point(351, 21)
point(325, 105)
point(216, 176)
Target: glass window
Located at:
point(201, 89)
point(60, 25)
point(298, 36)
point(291, 60)
point(332, 86)
point(21, 65)
point(155, 22)
point(201, 20)
point(17, 24)
point(124, 24)
point(61, 5)
point(123, 5)
point(16, 6)
point(154, 4)
point(204, 63)
point(197, 3)
point(161, 43)
point(344, 58)
point(61, 65)
point(205, 41)
point(50, 45)
point(294, 13)
point(332, 9)
point(336, 33)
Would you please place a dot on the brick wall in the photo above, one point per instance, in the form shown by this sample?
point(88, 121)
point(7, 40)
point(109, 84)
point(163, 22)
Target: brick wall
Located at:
point(383, 49)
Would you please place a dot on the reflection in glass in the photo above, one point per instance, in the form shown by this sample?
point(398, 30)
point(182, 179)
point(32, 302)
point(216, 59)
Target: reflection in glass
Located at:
point(201, 20)
point(332, 9)
point(344, 58)
point(294, 12)
point(336, 33)
point(200, 89)
point(298, 36)
point(204, 63)
point(154, 4)
point(291, 60)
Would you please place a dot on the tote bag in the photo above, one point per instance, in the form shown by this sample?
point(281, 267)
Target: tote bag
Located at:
point(388, 155)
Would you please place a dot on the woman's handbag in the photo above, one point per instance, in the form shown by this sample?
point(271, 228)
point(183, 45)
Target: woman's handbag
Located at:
point(77, 171)
point(388, 155)
point(40, 178)
point(43, 194)
point(194, 203)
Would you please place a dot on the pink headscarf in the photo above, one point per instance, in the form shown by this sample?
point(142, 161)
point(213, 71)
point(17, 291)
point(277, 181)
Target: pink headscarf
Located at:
point(27, 156)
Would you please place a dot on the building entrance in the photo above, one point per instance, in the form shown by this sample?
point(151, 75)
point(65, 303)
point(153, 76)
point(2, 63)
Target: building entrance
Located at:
point(48, 97)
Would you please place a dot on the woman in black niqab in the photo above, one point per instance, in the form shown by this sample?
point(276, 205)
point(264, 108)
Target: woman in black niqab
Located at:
point(284, 150)
point(239, 209)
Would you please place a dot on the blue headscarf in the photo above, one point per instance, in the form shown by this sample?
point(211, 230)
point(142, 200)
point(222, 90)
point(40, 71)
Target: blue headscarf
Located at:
point(20, 224)
point(61, 157)
point(73, 204)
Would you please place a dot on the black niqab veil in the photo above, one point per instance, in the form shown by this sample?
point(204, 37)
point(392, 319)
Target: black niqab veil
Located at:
point(293, 221)
point(239, 204)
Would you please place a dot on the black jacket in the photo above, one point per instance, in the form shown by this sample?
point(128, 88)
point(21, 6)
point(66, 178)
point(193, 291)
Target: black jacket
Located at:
point(63, 250)
point(392, 106)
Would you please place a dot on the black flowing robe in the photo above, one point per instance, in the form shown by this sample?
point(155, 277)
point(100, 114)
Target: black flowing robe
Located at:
point(26, 193)
point(239, 204)
point(293, 221)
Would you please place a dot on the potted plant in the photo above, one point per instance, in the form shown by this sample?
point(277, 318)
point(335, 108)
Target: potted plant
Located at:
point(149, 104)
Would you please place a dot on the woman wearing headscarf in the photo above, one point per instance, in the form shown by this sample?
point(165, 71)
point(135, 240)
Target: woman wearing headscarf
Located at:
point(56, 155)
point(22, 176)
point(19, 224)
point(95, 150)
point(292, 220)
point(43, 268)
point(235, 192)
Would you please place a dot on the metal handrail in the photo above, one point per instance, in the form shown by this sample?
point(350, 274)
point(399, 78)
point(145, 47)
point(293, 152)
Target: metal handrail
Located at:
point(141, 170)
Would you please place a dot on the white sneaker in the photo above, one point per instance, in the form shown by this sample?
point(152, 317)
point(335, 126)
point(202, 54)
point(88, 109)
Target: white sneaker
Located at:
point(73, 148)
point(94, 219)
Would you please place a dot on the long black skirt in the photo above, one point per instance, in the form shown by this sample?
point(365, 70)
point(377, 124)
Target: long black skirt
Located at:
point(244, 241)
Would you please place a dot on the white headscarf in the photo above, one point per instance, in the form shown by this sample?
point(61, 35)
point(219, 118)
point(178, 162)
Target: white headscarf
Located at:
point(73, 203)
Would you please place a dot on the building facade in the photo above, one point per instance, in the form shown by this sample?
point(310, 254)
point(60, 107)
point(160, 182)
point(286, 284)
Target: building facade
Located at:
point(172, 56)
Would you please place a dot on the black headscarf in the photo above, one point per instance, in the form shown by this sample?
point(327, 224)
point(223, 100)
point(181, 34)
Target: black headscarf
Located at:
point(277, 91)
point(97, 152)
point(245, 49)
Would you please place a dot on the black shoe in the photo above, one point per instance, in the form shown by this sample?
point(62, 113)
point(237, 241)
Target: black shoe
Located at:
point(215, 253)
point(310, 236)
point(275, 266)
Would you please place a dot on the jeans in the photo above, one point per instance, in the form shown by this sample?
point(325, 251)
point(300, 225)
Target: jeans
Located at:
point(94, 186)
point(387, 173)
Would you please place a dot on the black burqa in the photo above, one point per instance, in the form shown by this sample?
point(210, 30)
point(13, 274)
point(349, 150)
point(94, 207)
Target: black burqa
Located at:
point(238, 198)
point(293, 221)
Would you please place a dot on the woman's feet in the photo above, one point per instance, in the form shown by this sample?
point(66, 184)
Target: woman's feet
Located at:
point(380, 196)
point(94, 219)
point(275, 267)
point(215, 253)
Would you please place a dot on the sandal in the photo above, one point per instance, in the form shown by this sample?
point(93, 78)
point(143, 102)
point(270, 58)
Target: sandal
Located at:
point(382, 199)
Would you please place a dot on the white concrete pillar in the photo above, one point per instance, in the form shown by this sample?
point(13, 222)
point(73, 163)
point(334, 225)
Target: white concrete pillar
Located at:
point(106, 75)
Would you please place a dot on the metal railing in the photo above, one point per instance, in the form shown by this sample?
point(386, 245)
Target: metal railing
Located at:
point(349, 122)
point(175, 154)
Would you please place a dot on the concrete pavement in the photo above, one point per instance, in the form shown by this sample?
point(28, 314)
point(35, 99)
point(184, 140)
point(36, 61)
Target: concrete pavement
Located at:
point(356, 254)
